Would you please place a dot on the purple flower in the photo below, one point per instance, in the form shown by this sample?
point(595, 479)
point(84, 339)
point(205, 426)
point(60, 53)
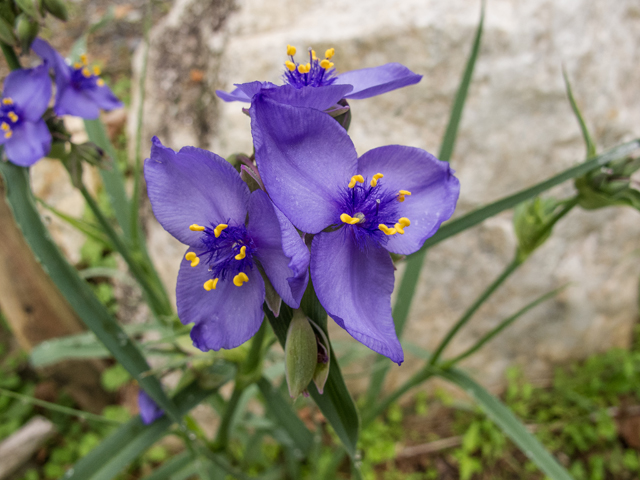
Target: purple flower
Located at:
point(201, 200)
point(79, 90)
point(316, 84)
point(23, 132)
point(149, 410)
point(391, 199)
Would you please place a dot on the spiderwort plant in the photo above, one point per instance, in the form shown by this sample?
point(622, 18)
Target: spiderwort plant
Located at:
point(200, 199)
point(23, 132)
point(79, 89)
point(391, 199)
point(316, 84)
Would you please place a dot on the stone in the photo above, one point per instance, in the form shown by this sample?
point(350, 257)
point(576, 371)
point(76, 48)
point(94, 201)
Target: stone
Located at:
point(517, 129)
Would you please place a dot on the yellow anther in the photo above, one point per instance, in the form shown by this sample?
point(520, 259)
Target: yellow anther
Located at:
point(402, 194)
point(291, 51)
point(330, 53)
point(354, 179)
point(83, 59)
point(100, 82)
point(290, 65)
point(193, 258)
point(211, 284)
point(242, 254)
point(326, 64)
point(86, 72)
point(96, 70)
point(218, 230)
point(77, 65)
point(348, 219)
point(196, 228)
point(404, 221)
point(9, 134)
point(376, 177)
point(302, 69)
point(13, 116)
point(240, 278)
point(313, 55)
point(387, 230)
point(5, 126)
point(7, 101)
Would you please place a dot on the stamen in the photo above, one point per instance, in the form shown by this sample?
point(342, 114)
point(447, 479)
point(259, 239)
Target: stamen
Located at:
point(290, 65)
point(5, 126)
point(240, 278)
point(302, 69)
point(86, 72)
point(291, 51)
point(313, 55)
point(218, 230)
point(7, 101)
point(330, 53)
point(196, 228)
point(193, 258)
point(376, 177)
point(404, 221)
point(13, 116)
point(77, 65)
point(83, 59)
point(242, 254)
point(326, 64)
point(348, 219)
point(100, 82)
point(96, 70)
point(402, 194)
point(387, 230)
point(9, 134)
point(211, 284)
point(354, 179)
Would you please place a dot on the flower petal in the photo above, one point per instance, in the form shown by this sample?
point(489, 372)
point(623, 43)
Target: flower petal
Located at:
point(149, 410)
point(355, 286)
point(369, 82)
point(29, 143)
point(305, 160)
point(103, 97)
point(319, 98)
point(70, 101)
point(434, 190)
point(193, 186)
point(52, 57)
point(244, 92)
point(280, 250)
point(30, 89)
point(225, 317)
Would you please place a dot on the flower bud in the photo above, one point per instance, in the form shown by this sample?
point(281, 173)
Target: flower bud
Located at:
point(611, 185)
point(300, 354)
point(342, 114)
point(31, 8)
point(27, 31)
point(321, 372)
point(57, 8)
point(532, 221)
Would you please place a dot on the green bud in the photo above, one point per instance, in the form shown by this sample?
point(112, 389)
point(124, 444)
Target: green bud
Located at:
point(610, 185)
point(321, 372)
point(300, 354)
point(532, 221)
point(7, 34)
point(90, 153)
point(57, 8)
point(342, 114)
point(30, 8)
point(27, 31)
point(6, 11)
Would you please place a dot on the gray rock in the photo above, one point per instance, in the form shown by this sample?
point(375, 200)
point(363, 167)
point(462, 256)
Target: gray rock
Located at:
point(517, 129)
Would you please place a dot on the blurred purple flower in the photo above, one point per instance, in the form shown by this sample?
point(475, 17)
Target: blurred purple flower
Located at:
point(23, 132)
point(316, 84)
point(79, 90)
point(391, 199)
point(201, 200)
point(149, 410)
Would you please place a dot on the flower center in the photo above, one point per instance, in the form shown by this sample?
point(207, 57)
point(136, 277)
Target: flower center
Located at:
point(9, 117)
point(84, 78)
point(315, 73)
point(371, 211)
point(228, 252)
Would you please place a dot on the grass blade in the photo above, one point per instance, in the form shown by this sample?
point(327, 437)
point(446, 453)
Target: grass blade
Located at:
point(171, 467)
point(509, 424)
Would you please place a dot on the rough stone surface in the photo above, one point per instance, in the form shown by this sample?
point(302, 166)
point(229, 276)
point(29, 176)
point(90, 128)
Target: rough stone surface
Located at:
point(517, 129)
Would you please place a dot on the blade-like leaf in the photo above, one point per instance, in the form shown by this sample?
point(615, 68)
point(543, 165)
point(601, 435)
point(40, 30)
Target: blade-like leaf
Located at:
point(171, 467)
point(411, 274)
point(509, 424)
point(76, 291)
point(591, 147)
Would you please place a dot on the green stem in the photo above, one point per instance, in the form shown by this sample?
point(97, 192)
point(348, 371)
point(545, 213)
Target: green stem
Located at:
point(515, 263)
point(222, 438)
point(10, 55)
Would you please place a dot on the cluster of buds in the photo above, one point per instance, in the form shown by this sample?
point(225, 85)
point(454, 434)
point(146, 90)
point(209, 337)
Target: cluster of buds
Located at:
point(617, 183)
point(20, 20)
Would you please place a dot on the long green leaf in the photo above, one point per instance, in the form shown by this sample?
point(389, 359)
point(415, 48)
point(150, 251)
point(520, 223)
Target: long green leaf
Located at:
point(283, 412)
point(171, 467)
point(335, 403)
point(509, 424)
point(73, 288)
point(411, 274)
point(109, 458)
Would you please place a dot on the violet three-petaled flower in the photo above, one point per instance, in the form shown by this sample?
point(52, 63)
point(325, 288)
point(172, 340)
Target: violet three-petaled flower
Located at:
point(317, 85)
point(391, 199)
point(23, 132)
point(200, 199)
point(79, 90)
point(149, 410)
